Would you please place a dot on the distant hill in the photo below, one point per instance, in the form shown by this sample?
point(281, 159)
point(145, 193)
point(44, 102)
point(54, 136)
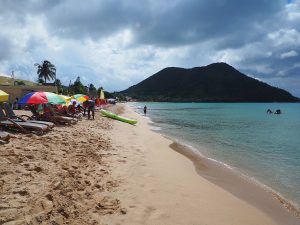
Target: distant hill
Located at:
point(5, 80)
point(217, 82)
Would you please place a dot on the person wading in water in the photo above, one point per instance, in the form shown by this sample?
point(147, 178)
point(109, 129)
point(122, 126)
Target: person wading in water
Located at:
point(145, 110)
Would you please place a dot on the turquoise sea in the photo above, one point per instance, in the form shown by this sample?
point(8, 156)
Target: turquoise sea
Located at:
point(243, 136)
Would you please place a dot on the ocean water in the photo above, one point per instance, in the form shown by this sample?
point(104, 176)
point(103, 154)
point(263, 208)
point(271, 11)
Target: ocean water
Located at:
point(263, 146)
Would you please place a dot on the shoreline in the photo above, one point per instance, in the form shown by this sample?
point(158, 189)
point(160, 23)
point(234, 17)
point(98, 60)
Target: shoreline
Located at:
point(236, 182)
point(214, 167)
point(239, 184)
point(198, 176)
point(193, 154)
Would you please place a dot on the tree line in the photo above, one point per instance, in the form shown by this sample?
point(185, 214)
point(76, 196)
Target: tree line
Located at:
point(47, 71)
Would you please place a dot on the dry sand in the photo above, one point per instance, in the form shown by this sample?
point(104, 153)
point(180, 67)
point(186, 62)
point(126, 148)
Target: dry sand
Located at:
point(108, 172)
point(62, 177)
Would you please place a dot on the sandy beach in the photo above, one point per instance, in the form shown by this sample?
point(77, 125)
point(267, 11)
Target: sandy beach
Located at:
point(62, 177)
point(108, 172)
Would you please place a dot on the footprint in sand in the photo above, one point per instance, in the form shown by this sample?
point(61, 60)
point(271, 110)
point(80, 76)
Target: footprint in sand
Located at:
point(38, 169)
point(9, 215)
point(29, 156)
point(122, 161)
point(152, 213)
point(21, 192)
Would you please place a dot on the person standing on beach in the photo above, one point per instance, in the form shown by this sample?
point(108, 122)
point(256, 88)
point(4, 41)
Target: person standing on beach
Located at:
point(145, 110)
point(16, 104)
point(91, 109)
point(84, 106)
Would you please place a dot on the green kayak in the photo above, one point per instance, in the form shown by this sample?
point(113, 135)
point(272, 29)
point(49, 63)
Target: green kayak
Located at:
point(117, 117)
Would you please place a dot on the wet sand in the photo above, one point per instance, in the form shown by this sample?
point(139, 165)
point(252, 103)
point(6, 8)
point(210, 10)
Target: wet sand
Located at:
point(241, 186)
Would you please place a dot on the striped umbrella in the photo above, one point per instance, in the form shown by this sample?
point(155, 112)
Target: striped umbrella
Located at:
point(66, 98)
point(41, 97)
point(81, 97)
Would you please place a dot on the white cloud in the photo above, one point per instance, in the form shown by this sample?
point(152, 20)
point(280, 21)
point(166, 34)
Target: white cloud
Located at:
point(291, 53)
point(293, 10)
point(285, 37)
point(4, 75)
point(226, 56)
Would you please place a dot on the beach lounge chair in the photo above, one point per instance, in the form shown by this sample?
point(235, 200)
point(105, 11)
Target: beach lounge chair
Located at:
point(48, 116)
point(72, 111)
point(61, 119)
point(4, 136)
point(24, 127)
point(11, 115)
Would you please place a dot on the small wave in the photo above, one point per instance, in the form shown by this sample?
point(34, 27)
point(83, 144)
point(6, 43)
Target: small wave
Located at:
point(149, 120)
point(184, 109)
point(154, 128)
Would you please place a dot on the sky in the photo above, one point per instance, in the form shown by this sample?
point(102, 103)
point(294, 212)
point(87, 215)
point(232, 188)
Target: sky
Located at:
point(118, 43)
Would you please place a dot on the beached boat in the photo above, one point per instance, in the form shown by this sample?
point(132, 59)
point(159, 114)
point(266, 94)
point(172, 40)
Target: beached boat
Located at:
point(117, 117)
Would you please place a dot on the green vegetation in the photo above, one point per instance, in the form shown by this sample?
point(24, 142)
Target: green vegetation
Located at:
point(46, 71)
point(60, 88)
point(19, 83)
point(10, 82)
point(117, 95)
point(77, 87)
point(217, 82)
point(92, 91)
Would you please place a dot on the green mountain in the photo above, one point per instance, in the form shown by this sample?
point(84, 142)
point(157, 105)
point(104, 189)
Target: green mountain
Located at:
point(217, 82)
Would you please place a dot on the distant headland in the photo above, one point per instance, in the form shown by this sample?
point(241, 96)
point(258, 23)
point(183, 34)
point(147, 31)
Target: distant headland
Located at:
point(217, 82)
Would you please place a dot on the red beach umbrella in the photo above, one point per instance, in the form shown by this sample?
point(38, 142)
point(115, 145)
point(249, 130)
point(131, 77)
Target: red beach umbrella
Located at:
point(41, 97)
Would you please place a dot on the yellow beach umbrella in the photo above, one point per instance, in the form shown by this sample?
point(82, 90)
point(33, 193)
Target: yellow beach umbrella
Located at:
point(102, 94)
point(66, 98)
point(3, 96)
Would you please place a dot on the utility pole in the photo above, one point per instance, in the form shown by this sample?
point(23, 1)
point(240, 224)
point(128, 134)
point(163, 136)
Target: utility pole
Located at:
point(69, 87)
point(55, 82)
point(13, 77)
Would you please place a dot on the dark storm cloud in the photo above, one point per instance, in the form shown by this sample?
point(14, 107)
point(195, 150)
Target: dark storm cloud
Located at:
point(280, 62)
point(170, 23)
point(99, 19)
point(171, 32)
point(14, 12)
point(279, 71)
point(6, 48)
point(229, 21)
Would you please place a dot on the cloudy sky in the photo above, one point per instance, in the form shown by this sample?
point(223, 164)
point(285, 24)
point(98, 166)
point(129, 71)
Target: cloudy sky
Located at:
point(117, 43)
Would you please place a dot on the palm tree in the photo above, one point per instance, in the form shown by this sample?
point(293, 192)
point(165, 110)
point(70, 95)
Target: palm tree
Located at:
point(46, 70)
